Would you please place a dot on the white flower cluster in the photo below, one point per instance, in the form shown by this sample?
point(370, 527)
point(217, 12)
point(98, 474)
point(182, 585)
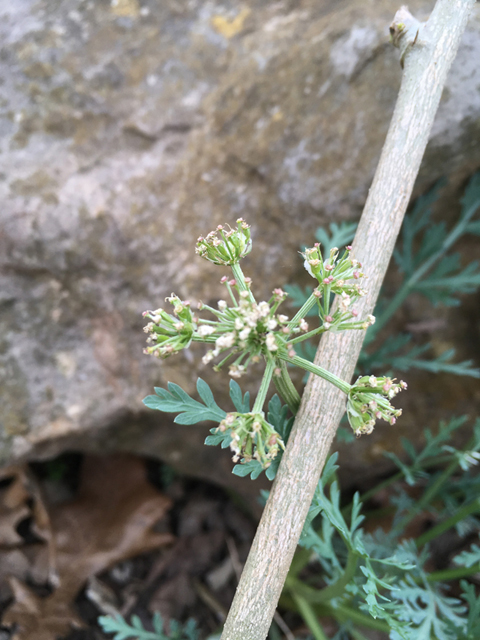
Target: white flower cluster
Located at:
point(253, 438)
point(169, 334)
point(369, 400)
point(226, 246)
point(244, 331)
point(338, 276)
point(251, 329)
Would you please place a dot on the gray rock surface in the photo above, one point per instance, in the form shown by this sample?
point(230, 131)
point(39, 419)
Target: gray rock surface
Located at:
point(130, 127)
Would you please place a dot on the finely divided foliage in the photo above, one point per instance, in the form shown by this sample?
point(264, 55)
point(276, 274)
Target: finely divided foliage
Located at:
point(374, 580)
point(122, 630)
point(426, 265)
point(188, 410)
point(246, 331)
point(383, 575)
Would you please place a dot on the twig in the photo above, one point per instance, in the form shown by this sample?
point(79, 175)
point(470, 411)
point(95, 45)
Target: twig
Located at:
point(234, 557)
point(427, 52)
point(210, 600)
point(283, 626)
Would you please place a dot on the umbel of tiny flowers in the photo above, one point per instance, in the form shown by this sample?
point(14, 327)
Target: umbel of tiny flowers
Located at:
point(369, 400)
point(252, 437)
point(336, 276)
point(247, 329)
point(170, 334)
point(251, 331)
point(226, 246)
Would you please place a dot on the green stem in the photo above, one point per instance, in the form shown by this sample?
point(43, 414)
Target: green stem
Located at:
point(364, 497)
point(426, 498)
point(409, 284)
point(356, 635)
point(433, 462)
point(308, 614)
point(441, 527)
point(240, 278)
point(285, 388)
point(338, 588)
point(343, 612)
point(306, 336)
point(204, 339)
point(262, 393)
point(318, 596)
point(318, 371)
point(453, 574)
point(300, 560)
point(326, 300)
point(302, 312)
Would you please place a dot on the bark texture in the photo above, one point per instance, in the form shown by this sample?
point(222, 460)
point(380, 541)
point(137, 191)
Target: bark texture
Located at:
point(427, 52)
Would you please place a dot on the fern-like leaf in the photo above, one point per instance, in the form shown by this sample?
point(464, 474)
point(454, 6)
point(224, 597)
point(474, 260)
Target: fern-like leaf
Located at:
point(339, 236)
point(468, 558)
point(391, 354)
point(189, 411)
point(241, 402)
point(428, 610)
point(122, 630)
point(298, 296)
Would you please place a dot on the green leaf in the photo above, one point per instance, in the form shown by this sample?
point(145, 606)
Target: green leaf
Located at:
point(339, 236)
point(136, 631)
point(205, 393)
point(428, 609)
point(241, 403)
point(298, 296)
point(387, 355)
point(468, 558)
point(433, 448)
point(222, 439)
point(252, 469)
point(329, 469)
point(415, 221)
point(471, 631)
point(157, 622)
point(473, 227)
point(214, 440)
point(277, 417)
point(190, 411)
point(471, 197)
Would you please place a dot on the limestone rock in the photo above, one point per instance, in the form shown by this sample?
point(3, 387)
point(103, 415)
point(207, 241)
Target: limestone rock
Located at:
point(130, 127)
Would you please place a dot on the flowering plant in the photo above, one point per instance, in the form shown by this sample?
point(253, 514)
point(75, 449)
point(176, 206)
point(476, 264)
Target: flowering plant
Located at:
point(243, 330)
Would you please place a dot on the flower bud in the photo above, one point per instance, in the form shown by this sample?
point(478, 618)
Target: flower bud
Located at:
point(252, 437)
point(226, 247)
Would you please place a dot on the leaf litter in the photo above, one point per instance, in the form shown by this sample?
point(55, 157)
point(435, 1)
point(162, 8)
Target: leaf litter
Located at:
point(115, 543)
point(111, 519)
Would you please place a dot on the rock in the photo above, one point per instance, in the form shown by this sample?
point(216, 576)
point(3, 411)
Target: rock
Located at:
point(127, 129)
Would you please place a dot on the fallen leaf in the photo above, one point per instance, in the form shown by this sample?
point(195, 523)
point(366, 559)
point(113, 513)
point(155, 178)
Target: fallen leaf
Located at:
point(13, 505)
point(39, 618)
point(13, 562)
point(110, 520)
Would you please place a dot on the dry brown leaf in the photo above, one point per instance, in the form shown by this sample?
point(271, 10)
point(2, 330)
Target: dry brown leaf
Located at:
point(19, 500)
point(13, 562)
point(22, 499)
point(39, 618)
point(13, 505)
point(111, 519)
